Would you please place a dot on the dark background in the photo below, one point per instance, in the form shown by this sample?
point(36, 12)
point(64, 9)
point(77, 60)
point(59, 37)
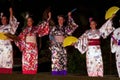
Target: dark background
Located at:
point(85, 9)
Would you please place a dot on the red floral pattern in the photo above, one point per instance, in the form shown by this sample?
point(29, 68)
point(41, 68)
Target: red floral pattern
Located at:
point(29, 49)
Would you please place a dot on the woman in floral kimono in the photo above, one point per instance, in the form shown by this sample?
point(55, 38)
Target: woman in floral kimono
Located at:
point(28, 45)
point(115, 46)
point(57, 35)
point(6, 51)
point(89, 42)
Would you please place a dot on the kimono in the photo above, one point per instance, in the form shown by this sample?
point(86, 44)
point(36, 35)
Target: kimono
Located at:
point(89, 42)
point(6, 51)
point(28, 46)
point(115, 47)
point(59, 54)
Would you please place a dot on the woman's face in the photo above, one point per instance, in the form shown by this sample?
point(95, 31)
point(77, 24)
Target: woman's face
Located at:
point(60, 20)
point(93, 24)
point(29, 22)
point(4, 20)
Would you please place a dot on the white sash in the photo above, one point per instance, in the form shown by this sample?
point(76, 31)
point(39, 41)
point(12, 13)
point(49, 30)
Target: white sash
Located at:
point(31, 39)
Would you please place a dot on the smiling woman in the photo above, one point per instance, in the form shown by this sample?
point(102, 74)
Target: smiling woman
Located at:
point(6, 51)
point(28, 45)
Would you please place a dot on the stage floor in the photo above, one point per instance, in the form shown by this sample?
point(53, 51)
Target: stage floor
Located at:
point(48, 76)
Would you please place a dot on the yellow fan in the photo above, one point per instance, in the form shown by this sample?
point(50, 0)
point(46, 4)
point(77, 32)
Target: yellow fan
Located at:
point(111, 11)
point(3, 36)
point(69, 41)
point(11, 36)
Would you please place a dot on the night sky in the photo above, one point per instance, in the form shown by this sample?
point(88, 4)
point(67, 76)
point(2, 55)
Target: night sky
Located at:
point(85, 9)
point(89, 7)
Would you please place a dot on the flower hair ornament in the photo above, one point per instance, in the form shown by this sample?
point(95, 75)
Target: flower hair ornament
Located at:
point(1, 14)
point(90, 19)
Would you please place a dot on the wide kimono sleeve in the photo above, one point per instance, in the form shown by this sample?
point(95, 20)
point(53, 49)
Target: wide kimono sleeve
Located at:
point(21, 43)
point(82, 43)
point(14, 24)
point(107, 28)
point(71, 26)
point(114, 41)
point(43, 29)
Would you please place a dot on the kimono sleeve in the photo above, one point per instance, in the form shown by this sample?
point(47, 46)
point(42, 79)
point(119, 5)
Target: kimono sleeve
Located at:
point(113, 44)
point(43, 29)
point(82, 44)
point(71, 26)
point(14, 24)
point(106, 28)
point(21, 43)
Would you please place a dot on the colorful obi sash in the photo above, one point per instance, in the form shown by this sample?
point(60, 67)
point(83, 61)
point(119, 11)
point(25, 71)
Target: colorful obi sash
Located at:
point(93, 42)
point(59, 38)
point(31, 39)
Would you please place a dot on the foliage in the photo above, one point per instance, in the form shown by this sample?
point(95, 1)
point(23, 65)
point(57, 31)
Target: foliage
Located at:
point(76, 61)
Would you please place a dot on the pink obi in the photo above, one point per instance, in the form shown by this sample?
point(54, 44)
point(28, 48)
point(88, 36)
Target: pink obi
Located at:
point(59, 38)
point(31, 39)
point(93, 42)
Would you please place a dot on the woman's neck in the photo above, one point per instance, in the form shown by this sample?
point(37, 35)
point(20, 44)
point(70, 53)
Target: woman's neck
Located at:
point(93, 28)
point(30, 26)
point(60, 25)
point(5, 24)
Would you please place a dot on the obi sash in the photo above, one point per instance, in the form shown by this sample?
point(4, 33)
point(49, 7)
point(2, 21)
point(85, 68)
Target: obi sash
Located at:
point(31, 39)
point(93, 42)
point(3, 36)
point(59, 38)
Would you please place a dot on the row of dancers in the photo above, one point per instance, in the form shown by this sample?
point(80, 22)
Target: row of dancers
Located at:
point(89, 42)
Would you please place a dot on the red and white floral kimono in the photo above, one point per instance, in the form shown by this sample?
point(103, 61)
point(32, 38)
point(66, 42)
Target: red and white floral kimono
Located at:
point(28, 45)
point(89, 42)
